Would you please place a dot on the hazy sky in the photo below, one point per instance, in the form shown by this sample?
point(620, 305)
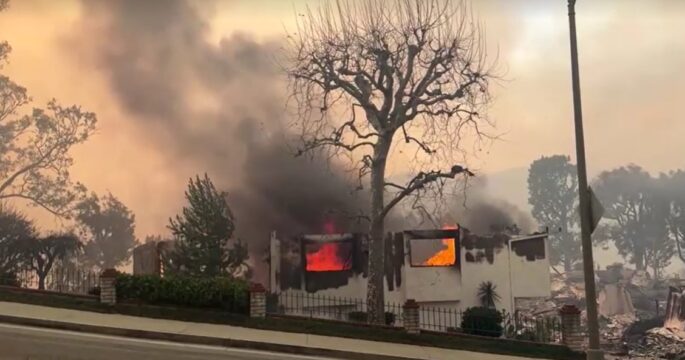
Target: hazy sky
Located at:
point(632, 55)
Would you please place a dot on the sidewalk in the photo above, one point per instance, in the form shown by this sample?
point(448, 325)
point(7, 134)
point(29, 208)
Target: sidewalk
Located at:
point(227, 335)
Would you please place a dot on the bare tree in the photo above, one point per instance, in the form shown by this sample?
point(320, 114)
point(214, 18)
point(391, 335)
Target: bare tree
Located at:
point(408, 69)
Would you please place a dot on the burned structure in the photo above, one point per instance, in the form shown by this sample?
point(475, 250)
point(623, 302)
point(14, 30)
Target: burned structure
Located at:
point(436, 268)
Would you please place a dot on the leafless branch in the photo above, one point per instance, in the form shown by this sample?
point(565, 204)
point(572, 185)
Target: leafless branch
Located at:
point(420, 181)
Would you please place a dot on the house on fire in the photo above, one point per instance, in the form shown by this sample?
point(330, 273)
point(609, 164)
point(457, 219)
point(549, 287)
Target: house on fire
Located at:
point(437, 268)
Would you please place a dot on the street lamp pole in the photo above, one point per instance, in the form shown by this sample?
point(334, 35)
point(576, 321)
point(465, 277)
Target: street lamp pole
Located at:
point(593, 353)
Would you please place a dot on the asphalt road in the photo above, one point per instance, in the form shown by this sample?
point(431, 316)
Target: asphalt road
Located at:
point(20, 342)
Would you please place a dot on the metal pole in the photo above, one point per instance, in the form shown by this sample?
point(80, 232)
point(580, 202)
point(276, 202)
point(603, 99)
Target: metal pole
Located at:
point(585, 221)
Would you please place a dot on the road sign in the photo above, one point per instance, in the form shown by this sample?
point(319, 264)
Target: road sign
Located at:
point(596, 210)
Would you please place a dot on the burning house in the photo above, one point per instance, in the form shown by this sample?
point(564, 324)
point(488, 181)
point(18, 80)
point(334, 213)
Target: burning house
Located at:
point(436, 268)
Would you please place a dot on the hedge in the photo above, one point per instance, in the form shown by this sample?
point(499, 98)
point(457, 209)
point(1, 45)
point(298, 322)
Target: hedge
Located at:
point(482, 321)
point(9, 279)
point(362, 317)
point(218, 293)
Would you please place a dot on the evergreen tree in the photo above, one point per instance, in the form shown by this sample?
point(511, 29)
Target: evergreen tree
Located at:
point(553, 193)
point(202, 232)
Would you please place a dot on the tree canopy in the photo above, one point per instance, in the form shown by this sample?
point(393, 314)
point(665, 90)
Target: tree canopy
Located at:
point(674, 185)
point(202, 232)
point(15, 230)
point(35, 148)
point(638, 210)
point(42, 253)
point(108, 227)
point(553, 194)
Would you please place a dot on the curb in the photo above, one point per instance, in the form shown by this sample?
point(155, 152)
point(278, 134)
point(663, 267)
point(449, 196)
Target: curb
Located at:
point(194, 339)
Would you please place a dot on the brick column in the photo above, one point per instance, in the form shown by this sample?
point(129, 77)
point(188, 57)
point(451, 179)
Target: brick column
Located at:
point(571, 331)
point(257, 301)
point(410, 316)
point(108, 290)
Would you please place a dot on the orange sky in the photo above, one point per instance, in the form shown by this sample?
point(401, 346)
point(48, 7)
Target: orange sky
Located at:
point(631, 54)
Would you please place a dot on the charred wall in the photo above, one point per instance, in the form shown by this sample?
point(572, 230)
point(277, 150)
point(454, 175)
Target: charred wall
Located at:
point(530, 249)
point(479, 249)
point(293, 274)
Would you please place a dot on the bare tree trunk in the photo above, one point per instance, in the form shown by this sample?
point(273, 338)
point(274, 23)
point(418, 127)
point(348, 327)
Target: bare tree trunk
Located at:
point(677, 244)
point(568, 264)
point(41, 280)
point(639, 259)
point(375, 296)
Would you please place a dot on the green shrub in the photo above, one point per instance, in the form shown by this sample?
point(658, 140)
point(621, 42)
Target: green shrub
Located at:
point(363, 317)
point(224, 293)
point(95, 291)
point(9, 279)
point(482, 321)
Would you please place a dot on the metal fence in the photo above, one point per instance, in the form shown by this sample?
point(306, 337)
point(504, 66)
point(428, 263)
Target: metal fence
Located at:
point(69, 280)
point(439, 319)
point(546, 329)
point(316, 306)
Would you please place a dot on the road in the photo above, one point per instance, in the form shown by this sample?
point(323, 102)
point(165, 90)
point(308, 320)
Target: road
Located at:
point(20, 342)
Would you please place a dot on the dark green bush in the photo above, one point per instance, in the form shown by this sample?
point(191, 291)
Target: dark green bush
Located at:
point(224, 293)
point(9, 279)
point(482, 321)
point(361, 316)
point(95, 290)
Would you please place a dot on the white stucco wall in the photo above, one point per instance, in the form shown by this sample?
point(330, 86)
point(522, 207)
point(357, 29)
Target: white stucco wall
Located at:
point(531, 278)
point(456, 287)
point(475, 273)
point(425, 284)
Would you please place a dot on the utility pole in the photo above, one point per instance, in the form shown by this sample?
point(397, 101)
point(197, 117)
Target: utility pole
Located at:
point(593, 353)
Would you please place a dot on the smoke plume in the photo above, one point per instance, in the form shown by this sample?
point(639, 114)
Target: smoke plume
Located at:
point(219, 107)
point(483, 214)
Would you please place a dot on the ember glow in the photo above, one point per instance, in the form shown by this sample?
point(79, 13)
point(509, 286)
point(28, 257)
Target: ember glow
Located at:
point(333, 256)
point(446, 256)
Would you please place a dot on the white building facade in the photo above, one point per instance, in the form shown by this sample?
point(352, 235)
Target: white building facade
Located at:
point(436, 268)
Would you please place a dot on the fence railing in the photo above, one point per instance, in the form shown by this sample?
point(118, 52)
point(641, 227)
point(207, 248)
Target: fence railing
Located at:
point(328, 307)
point(545, 329)
point(431, 318)
point(65, 280)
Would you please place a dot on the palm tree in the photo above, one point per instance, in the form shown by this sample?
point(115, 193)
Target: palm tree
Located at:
point(487, 293)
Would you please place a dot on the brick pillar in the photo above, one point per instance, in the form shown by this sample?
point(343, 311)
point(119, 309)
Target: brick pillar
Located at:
point(410, 316)
point(571, 331)
point(257, 301)
point(108, 290)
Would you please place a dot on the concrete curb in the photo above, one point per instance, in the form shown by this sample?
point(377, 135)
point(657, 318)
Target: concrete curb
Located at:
point(194, 339)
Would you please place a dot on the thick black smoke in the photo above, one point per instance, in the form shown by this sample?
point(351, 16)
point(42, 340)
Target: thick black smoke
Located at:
point(219, 107)
point(482, 214)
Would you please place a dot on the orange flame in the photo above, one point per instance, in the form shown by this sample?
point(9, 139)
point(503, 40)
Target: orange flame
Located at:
point(327, 258)
point(446, 256)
